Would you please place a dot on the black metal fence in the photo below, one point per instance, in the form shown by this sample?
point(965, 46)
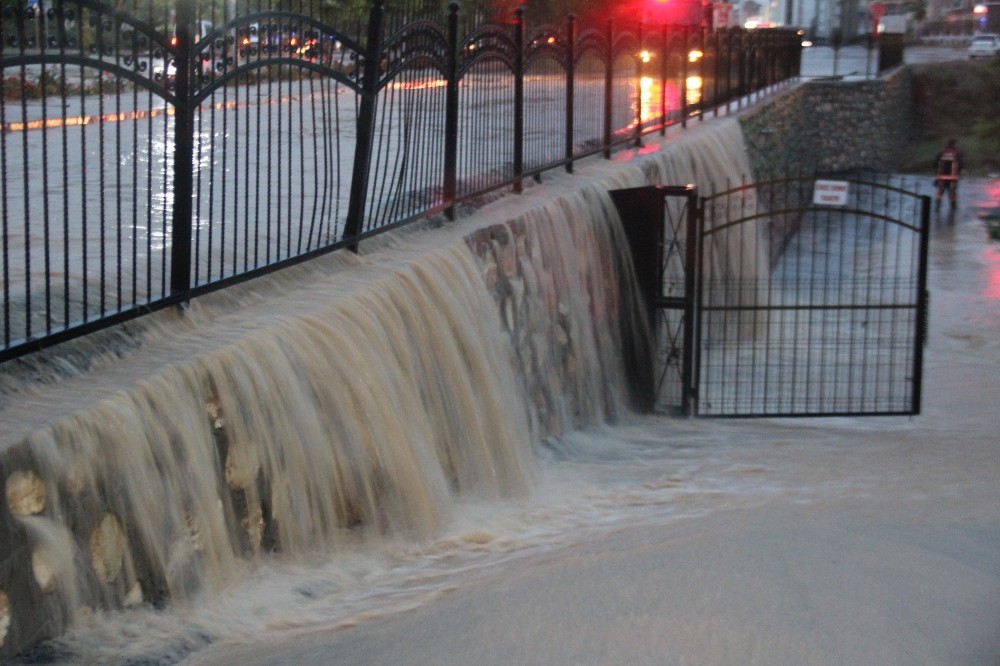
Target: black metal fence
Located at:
point(152, 151)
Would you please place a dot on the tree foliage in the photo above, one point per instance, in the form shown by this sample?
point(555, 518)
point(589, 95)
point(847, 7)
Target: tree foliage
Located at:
point(958, 100)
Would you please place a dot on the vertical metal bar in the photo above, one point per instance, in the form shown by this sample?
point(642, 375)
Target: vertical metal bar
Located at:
point(923, 302)
point(102, 179)
point(376, 195)
point(871, 328)
point(322, 179)
point(729, 285)
point(152, 170)
point(695, 253)
point(741, 65)
point(570, 87)
point(5, 219)
point(748, 56)
point(716, 73)
point(729, 68)
point(451, 113)
point(609, 64)
point(684, 77)
point(689, 389)
point(366, 124)
point(180, 254)
point(26, 195)
point(756, 59)
point(637, 139)
point(251, 194)
point(64, 145)
point(119, 236)
point(518, 98)
point(664, 120)
point(134, 212)
point(299, 150)
point(46, 213)
point(701, 72)
point(771, 60)
point(4, 215)
point(224, 188)
point(796, 56)
point(275, 136)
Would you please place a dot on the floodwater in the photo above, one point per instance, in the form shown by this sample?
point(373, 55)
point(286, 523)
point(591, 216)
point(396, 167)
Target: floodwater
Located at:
point(669, 541)
point(663, 541)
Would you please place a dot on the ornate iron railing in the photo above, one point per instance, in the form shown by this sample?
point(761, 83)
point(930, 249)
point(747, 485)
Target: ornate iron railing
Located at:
point(154, 151)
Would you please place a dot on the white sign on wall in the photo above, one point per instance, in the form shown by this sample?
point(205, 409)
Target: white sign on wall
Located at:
point(830, 192)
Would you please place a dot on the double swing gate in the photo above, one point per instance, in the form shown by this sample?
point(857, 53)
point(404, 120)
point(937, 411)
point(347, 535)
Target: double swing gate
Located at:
point(793, 297)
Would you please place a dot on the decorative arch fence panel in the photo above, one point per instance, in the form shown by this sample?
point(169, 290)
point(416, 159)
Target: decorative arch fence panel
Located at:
point(154, 150)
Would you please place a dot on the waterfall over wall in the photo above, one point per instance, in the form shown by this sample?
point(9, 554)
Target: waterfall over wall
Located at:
point(360, 418)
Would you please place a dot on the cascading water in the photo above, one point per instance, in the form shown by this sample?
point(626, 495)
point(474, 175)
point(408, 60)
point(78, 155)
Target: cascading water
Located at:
point(352, 410)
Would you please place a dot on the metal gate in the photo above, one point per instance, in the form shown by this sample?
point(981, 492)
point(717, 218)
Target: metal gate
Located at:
point(659, 221)
point(801, 297)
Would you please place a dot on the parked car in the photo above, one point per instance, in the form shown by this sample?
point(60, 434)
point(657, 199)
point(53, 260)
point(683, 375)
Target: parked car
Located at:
point(165, 72)
point(984, 46)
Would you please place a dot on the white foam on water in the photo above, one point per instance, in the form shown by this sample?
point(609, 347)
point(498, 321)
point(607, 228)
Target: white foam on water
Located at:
point(346, 442)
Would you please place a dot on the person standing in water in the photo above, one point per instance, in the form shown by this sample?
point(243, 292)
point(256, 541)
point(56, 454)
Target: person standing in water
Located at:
point(947, 169)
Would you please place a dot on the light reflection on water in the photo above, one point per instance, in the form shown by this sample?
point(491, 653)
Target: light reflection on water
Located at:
point(692, 88)
point(257, 197)
point(991, 256)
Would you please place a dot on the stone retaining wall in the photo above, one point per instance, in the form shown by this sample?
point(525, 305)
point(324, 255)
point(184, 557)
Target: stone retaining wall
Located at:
point(831, 126)
point(825, 127)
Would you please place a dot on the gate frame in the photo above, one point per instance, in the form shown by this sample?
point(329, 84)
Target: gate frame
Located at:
point(643, 212)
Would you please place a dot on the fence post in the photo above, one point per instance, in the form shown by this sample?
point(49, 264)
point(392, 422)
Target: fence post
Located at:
point(686, 48)
point(733, 62)
point(366, 125)
point(609, 72)
point(701, 72)
point(518, 99)
point(744, 82)
point(451, 114)
point(570, 87)
point(727, 65)
point(717, 74)
point(180, 248)
point(664, 44)
point(638, 91)
point(769, 60)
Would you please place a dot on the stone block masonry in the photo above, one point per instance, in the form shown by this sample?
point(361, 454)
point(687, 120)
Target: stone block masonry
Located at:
point(825, 127)
point(832, 126)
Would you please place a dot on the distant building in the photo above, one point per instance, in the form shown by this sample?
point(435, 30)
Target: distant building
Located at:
point(961, 17)
point(823, 20)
